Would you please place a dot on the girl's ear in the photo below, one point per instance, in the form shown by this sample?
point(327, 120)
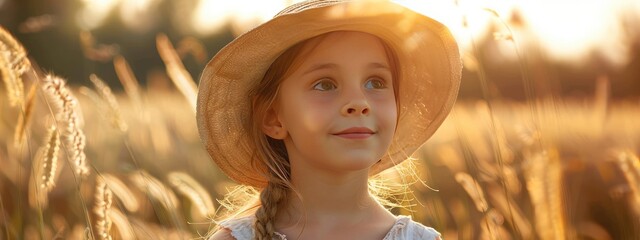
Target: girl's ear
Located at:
point(272, 126)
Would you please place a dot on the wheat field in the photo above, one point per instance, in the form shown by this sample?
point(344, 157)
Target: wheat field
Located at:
point(85, 162)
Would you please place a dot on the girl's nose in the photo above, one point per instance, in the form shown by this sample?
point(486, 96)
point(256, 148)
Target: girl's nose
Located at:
point(357, 105)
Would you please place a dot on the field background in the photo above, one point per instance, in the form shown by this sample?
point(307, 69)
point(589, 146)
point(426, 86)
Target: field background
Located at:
point(543, 142)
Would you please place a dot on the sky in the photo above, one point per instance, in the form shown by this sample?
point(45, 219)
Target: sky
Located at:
point(567, 30)
point(596, 36)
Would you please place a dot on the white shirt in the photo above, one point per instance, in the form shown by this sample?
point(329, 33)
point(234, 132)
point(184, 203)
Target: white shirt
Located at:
point(403, 229)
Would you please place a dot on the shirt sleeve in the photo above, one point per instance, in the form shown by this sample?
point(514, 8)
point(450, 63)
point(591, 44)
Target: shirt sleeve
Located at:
point(418, 231)
point(408, 229)
point(241, 228)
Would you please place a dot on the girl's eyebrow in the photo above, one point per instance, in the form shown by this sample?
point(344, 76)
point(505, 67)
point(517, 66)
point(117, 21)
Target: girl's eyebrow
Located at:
point(323, 66)
point(379, 65)
point(320, 67)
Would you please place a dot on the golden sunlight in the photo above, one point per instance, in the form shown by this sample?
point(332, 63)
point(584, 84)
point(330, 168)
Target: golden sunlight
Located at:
point(242, 15)
point(211, 15)
point(572, 29)
point(139, 14)
point(564, 30)
point(466, 19)
point(94, 12)
point(98, 137)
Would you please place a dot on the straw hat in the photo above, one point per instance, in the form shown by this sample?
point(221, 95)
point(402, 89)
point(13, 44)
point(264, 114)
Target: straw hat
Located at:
point(429, 73)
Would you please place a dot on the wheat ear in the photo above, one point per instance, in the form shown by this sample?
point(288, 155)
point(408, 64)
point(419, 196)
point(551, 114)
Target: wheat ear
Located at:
point(473, 189)
point(629, 164)
point(128, 79)
point(195, 47)
point(25, 117)
point(190, 188)
point(122, 224)
point(13, 63)
point(66, 111)
point(50, 160)
point(45, 165)
point(96, 52)
point(121, 191)
point(176, 71)
point(155, 189)
point(102, 209)
point(107, 95)
point(544, 183)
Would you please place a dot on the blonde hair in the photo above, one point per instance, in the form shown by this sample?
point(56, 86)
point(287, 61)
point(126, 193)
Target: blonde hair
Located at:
point(271, 154)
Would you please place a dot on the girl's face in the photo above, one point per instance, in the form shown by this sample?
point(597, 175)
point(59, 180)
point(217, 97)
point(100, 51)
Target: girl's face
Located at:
point(337, 111)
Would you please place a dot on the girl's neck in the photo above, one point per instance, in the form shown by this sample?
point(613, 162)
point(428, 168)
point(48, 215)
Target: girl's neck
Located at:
point(329, 198)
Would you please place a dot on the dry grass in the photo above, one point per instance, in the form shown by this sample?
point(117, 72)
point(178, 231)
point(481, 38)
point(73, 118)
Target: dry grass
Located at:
point(175, 69)
point(102, 209)
point(568, 169)
point(197, 194)
point(68, 117)
point(13, 64)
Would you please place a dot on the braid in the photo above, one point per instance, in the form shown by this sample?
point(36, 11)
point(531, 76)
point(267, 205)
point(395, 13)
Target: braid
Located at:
point(265, 215)
point(272, 157)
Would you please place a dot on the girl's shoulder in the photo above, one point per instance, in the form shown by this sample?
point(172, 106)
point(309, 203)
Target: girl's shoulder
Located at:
point(239, 228)
point(406, 228)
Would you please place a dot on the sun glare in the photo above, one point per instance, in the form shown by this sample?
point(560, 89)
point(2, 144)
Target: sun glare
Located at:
point(94, 12)
point(211, 15)
point(242, 15)
point(573, 29)
point(138, 14)
point(565, 30)
point(467, 19)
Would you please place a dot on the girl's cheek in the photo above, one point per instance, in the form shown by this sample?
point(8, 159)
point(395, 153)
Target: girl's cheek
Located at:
point(321, 99)
point(384, 98)
point(388, 107)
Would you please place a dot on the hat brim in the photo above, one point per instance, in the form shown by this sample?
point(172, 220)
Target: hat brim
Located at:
point(429, 73)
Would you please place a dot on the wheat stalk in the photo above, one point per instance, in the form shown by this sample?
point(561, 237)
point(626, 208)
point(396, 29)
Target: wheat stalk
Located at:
point(630, 166)
point(155, 189)
point(128, 80)
point(45, 166)
point(65, 107)
point(190, 188)
point(121, 191)
point(13, 63)
point(492, 228)
point(96, 52)
point(473, 189)
point(544, 185)
point(122, 224)
point(176, 70)
point(112, 103)
point(37, 23)
point(50, 160)
point(25, 117)
point(102, 209)
point(195, 47)
point(505, 204)
point(526, 134)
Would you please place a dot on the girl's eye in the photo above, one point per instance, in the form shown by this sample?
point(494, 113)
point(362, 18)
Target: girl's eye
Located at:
point(375, 83)
point(324, 85)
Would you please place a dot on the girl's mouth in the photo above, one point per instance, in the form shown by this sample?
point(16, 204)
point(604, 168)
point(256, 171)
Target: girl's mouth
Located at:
point(355, 133)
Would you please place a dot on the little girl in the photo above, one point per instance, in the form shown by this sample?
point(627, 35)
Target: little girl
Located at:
point(309, 105)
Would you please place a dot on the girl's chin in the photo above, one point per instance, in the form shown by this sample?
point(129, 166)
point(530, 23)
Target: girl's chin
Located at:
point(357, 163)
